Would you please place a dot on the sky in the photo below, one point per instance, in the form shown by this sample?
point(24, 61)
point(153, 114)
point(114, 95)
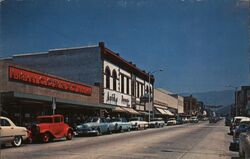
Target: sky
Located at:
point(202, 45)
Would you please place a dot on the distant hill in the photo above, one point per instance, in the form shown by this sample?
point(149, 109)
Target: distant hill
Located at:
point(225, 97)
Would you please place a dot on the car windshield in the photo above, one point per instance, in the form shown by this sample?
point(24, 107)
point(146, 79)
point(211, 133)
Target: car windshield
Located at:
point(44, 120)
point(116, 120)
point(91, 119)
point(133, 119)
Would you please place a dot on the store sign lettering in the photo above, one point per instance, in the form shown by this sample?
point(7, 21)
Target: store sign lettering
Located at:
point(21, 75)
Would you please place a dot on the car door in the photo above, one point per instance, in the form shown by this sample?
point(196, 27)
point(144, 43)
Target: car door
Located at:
point(58, 126)
point(6, 131)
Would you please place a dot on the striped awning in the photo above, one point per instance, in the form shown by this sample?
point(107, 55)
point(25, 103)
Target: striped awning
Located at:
point(131, 111)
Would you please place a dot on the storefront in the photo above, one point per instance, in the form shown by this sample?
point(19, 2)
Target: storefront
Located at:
point(27, 93)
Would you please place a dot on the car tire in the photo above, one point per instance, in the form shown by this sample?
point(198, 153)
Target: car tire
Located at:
point(120, 129)
point(108, 131)
point(98, 133)
point(128, 129)
point(69, 135)
point(46, 138)
point(17, 142)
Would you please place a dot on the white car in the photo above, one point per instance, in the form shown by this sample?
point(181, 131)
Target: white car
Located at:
point(138, 123)
point(10, 133)
point(156, 123)
point(171, 121)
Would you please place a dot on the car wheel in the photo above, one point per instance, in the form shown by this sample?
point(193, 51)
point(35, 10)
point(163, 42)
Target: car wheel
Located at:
point(46, 137)
point(17, 142)
point(108, 131)
point(98, 133)
point(120, 129)
point(69, 135)
point(128, 129)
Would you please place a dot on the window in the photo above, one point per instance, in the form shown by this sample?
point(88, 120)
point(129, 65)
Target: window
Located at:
point(114, 75)
point(107, 72)
point(128, 85)
point(4, 122)
point(147, 89)
point(138, 89)
point(57, 119)
point(133, 87)
point(122, 83)
point(141, 89)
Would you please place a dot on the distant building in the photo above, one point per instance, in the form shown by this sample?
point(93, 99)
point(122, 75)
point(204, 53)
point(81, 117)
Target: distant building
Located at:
point(190, 105)
point(164, 99)
point(243, 101)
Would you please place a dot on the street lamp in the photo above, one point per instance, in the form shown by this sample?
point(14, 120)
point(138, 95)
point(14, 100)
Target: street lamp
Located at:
point(235, 96)
point(149, 92)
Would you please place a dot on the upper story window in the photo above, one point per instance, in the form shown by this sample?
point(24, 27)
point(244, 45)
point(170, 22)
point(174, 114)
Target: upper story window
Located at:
point(114, 75)
point(122, 83)
point(107, 72)
point(128, 86)
point(138, 89)
point(147, 90)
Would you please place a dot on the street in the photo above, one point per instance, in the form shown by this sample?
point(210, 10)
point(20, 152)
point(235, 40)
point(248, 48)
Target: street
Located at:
point(202, 140)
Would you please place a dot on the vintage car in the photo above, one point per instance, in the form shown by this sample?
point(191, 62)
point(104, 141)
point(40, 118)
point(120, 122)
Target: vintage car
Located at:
point(243, 127)
point(94, 125)
point(138, 123)
point(10, 133)
point(236, 121)
point(244, 145)
point(121, 124)
point(51, 127)
point(156, 123)
point(171, 121)
point(194, 119)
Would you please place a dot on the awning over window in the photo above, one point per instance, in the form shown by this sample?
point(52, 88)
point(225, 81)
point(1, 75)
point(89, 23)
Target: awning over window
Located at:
point(119, 110)
point(168, 112)
point(131, 111)
point(164, 111)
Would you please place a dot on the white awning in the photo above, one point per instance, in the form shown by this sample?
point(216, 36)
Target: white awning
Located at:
point(161, 111)
point(168, 112)
point(131, 111)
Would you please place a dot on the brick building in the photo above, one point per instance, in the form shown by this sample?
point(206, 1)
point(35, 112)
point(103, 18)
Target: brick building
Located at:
point(121, 83)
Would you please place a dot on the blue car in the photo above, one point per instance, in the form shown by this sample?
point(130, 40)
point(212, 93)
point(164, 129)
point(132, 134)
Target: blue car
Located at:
point(94, 125)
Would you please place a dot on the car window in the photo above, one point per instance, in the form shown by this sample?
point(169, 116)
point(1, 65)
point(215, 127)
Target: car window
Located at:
point(4, 122)
point(44, 120)
point(57, 119)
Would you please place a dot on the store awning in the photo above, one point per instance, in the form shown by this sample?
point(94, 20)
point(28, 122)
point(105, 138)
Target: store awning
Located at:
point(119, 110)
point(161, 111)
point(131, 111)
point(168, 112)
point(41, 98)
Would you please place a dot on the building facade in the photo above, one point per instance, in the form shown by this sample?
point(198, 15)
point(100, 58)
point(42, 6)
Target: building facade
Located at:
point(121, 83)
point(26, 93)
point(243, 101)
point(190, 105)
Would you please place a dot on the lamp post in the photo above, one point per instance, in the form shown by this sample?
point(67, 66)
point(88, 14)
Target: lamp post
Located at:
point(149, 94)
point(235, 96)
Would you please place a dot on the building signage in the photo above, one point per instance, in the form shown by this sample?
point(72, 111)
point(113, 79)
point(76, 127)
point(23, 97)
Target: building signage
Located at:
point(111, 98)
point(125, 100)
point(21, 75)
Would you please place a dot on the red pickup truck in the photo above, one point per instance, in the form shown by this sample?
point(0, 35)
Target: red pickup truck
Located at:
point(50, 127)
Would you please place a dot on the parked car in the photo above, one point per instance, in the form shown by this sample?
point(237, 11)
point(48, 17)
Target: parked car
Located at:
point(194, 119)
point(95, 125)
point(51, 127)
point(10, 133)
point(243, 127)
point(244, 145)
point(156, 123)
point(138, 123)
point(171, 121)
point(121, 124)
point(236, 121)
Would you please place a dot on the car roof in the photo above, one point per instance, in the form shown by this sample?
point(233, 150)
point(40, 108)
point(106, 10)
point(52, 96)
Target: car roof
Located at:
point(49, 116)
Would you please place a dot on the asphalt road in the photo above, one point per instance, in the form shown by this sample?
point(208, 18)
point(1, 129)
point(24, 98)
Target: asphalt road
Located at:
point(189, 141)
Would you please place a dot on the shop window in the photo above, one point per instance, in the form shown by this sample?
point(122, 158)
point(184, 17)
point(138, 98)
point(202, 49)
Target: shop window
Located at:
point(4, 122)
point(107, 72)
point(114, 75)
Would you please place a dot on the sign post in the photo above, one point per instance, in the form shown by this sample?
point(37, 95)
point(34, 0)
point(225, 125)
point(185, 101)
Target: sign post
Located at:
point(53, 105)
